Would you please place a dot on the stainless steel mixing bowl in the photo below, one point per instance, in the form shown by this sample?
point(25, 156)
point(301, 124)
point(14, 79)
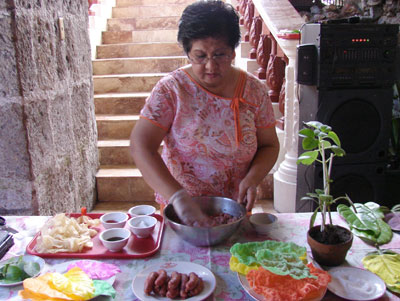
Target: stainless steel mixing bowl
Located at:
point(202, 236)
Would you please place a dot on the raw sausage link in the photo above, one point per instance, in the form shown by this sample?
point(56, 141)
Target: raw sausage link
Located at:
point(197, 290)
point(173, 293)
point(184, 280)
point(164, 288)
point(148, 286)
point(192, 283)
point(162, 277)
point(175, 280)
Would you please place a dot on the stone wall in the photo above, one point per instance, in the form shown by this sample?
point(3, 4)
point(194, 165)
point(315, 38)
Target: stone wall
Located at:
point(48, 136)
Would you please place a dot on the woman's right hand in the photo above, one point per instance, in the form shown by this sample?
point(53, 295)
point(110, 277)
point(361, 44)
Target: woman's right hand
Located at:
point(188, 211)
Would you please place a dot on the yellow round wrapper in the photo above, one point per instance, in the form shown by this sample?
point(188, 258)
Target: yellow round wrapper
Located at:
point(75, 284)
point(241, 268)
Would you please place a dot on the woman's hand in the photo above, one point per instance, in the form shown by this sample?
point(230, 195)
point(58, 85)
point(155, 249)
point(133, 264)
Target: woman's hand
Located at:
point(188, 211)
point(247, 194)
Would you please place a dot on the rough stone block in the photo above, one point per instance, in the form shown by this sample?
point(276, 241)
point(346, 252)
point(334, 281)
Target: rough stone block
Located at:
point(14, 159)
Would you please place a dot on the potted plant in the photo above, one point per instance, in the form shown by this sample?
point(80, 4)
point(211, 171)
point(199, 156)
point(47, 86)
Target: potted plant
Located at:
point(329, 243)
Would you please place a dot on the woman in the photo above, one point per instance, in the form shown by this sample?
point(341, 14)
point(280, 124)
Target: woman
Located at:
point(216, 121)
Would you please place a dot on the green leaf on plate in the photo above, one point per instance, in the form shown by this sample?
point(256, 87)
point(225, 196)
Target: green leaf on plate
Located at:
point(282, 258)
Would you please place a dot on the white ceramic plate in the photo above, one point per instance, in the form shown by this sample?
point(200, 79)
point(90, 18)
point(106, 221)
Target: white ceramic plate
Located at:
point(62, 268)
point(245, 284)
point(355, 284)
point(26, 258)
point(181, 267)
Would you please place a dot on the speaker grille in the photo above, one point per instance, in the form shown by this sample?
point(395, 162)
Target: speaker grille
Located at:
point(357, 123)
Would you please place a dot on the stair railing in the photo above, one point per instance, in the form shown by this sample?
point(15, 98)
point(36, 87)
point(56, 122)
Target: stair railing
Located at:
point(276, 57)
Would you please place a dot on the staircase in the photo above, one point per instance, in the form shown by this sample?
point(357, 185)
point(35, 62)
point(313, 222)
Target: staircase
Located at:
point(138, 49)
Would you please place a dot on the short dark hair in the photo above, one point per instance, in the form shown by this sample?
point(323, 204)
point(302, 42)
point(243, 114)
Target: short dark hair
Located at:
point(208, 18)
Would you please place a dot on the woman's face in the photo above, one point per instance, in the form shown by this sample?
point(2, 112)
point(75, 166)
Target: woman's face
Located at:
point(211, 60)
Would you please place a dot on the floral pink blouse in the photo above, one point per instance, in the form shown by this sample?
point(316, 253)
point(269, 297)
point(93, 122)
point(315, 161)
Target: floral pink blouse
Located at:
point(207, 148)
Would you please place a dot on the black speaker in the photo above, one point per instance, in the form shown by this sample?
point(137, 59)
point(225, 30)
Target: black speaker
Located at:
point(360, 117)
point(362, 120)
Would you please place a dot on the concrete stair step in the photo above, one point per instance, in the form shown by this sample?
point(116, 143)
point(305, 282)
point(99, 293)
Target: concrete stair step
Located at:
point(138, 65)
point(119, 103)
point(124, 3)
point(110, 127)
point(142, 23)
point(126, 83)
point(122, 183)
point(139, 50)
point(139, 36)
point(148, 11)
point(116, 152)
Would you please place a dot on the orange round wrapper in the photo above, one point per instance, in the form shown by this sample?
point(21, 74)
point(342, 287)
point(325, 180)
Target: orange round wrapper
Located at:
point(38, 289)
point(277, 287)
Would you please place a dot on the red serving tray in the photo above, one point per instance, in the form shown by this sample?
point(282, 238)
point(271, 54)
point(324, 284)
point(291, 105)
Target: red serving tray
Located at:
point(289, 36)
point(136, 247)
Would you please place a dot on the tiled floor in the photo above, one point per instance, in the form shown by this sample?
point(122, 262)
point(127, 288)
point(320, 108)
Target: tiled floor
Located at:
point(261, 206)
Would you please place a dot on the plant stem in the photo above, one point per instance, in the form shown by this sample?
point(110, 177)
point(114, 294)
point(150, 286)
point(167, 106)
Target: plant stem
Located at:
point(326, 184)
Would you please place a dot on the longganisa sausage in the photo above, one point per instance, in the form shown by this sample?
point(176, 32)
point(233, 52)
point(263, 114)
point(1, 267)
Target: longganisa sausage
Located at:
point(174, 286)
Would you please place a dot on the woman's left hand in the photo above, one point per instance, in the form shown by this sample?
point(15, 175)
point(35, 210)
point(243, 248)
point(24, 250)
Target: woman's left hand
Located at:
point(247, 195)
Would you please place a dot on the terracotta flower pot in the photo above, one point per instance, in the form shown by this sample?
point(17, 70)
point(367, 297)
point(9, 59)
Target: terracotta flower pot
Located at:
point(329, 254)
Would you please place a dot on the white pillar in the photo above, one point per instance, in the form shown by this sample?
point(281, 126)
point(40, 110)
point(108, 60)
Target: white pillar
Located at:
point(285, 178)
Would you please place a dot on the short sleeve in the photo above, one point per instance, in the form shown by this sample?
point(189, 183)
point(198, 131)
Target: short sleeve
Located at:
point(159, 107)
point(265, 116)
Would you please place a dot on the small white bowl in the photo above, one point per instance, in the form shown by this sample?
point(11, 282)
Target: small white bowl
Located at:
point(114, 220)
point(115, 239)
point(262, 222)
point(142, 210)
point(142, 226)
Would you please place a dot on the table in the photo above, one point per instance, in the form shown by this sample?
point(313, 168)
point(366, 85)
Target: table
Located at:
point(289, 227)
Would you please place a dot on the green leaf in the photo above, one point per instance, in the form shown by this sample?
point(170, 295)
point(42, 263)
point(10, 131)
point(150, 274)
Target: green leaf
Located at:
point(396, 208)
point(334, 138)
point(14, 273)
point(325, 128)
point(306, 133)
point(309, 143)
point(386, 233)
point(314, 124)
point(326, 144)
point(364, 220)
point(313, 217)
point(338, 151)
point(386, 266)
point(16, 269)
point(372, 207)
point(307, 158)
